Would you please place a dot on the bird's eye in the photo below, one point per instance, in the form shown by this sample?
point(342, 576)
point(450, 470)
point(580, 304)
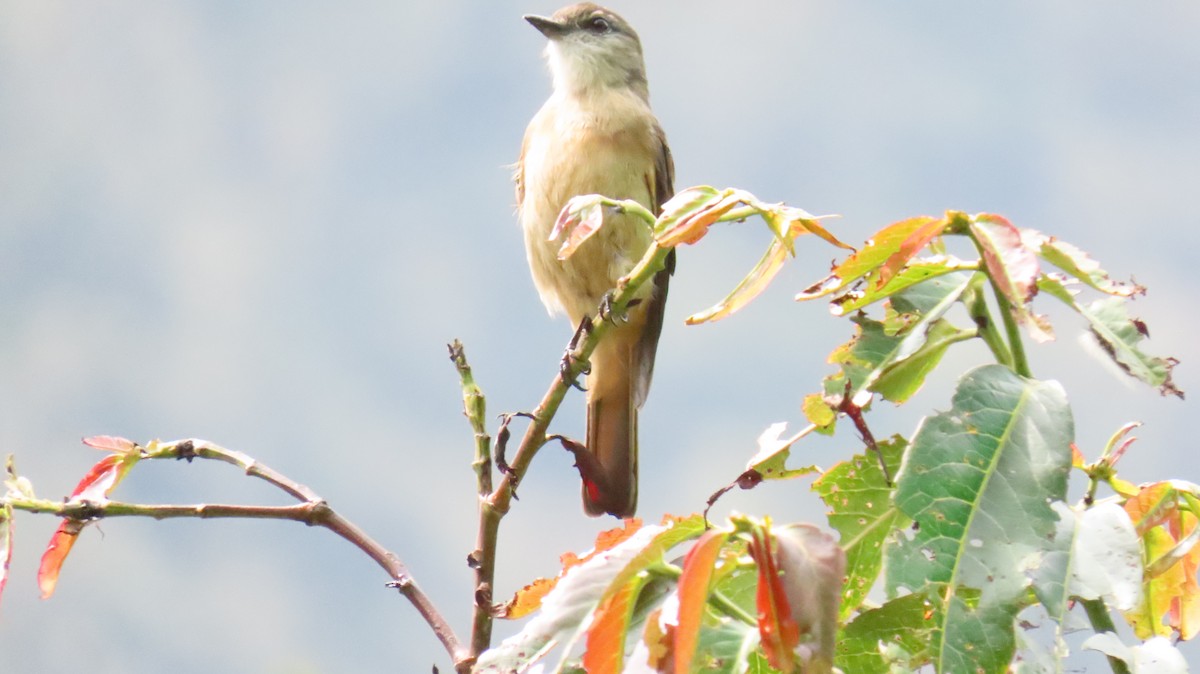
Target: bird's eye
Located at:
point(598, 25)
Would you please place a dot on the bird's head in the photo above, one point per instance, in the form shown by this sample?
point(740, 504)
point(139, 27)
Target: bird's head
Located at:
point(591, 48)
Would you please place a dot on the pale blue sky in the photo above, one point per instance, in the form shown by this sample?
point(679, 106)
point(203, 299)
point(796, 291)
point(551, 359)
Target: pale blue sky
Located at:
point(259, 224)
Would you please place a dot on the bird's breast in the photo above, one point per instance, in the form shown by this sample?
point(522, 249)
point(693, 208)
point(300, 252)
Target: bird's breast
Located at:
point(570, 151)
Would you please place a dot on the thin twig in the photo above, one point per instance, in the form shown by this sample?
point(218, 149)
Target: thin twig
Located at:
point(475, 410)
point(312, 510)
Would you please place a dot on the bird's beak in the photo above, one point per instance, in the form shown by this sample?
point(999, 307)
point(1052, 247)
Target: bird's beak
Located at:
point(546, 26)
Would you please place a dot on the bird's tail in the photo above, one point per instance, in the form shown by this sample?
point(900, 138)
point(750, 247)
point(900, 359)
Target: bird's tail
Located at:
point(612, 413)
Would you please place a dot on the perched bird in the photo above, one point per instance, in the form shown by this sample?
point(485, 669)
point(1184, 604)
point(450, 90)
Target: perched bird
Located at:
point(596, 134)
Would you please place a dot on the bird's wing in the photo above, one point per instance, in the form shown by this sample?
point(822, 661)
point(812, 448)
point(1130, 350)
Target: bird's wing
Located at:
point(662, 184)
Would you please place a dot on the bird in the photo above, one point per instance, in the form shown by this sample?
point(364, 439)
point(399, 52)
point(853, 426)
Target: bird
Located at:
point(596, 134)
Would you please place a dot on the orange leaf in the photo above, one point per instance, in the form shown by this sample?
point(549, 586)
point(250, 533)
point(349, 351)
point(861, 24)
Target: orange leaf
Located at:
point(779, 632)
point(694, 225)
point(1152, 505)
point(1171, 598)
point(56, 554)
point(693, 589)
point(885, 243)
point(529, 598)
point(605, 650)
point(912, 244)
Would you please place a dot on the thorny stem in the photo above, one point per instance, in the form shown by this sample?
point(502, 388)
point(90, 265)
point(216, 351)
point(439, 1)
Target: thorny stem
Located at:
point(312, 510)
point(495, 506)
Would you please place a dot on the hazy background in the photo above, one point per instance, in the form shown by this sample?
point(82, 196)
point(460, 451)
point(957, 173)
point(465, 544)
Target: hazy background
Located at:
point(260, 223)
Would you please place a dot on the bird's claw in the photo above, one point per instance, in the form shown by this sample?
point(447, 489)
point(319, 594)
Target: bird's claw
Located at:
point(564, 370)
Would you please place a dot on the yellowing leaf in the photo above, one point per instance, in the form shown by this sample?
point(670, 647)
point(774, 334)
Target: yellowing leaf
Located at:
point(748, 288)
point(1171, 593)
point(885, 243)
point(912, 244)
point(817, 411)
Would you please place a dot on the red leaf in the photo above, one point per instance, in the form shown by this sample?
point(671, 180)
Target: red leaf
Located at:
point(693, 594)
point(110, 443)
point(605, 651)
point(6, 539)
point(100, 480)
point(1013, 267)
point(580, 219)
point(56, 554)
point(779, 632)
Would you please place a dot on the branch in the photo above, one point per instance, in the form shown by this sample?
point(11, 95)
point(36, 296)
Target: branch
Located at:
point(475, 410)
point(312, 510)
point(493, 507)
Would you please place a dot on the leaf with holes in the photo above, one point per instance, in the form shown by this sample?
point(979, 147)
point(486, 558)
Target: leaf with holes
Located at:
point(898, 630)
point(860, 508)
point(916, 273)
point(978, 482)
point(1077, 263)
point(1120, 335)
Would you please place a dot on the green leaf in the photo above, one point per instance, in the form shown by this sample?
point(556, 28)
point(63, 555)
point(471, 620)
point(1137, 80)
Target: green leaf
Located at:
point(901, 380)
point(901, 626)
point(770, 461)
point(876, 361)
point(725, 648)
point(861, 509)
point(759, 665)
point(978, 482)
point(916, 273)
